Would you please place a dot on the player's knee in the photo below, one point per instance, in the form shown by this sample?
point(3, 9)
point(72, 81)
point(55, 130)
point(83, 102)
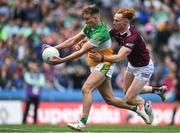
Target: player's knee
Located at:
point(109, 101)
point(86, 89)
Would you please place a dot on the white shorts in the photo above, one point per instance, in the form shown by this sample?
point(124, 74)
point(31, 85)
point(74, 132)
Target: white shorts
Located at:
point(142, 73)
point(104, 68)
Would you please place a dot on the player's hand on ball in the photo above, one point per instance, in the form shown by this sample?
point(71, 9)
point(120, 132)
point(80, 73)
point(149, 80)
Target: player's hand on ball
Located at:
point(55, 60)
point(95, 56)
point(44, 46)
point(47, 41)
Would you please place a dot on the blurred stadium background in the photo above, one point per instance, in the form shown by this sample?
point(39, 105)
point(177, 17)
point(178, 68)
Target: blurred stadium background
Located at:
point(25, 23)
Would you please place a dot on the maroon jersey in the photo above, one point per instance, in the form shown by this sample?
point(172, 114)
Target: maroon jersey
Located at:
point(132, 39)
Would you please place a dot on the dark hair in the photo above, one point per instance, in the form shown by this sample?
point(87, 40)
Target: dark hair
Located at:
point(91, 10)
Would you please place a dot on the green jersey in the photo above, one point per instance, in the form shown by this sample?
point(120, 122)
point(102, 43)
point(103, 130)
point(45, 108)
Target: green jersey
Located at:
point(99, 37)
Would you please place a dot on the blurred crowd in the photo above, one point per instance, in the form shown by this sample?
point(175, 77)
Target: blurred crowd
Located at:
point(25, 23)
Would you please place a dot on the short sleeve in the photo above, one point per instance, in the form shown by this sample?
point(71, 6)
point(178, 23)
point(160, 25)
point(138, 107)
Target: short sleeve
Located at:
point(131, 41)
point(84, 30)
point(129, 45)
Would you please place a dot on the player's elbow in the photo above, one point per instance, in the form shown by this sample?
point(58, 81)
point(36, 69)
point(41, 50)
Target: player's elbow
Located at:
point(117, 60)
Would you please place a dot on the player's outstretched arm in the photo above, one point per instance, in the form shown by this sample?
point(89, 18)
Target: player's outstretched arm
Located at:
point(81, 43)
point(122, 54)
point(85, 48)
point(71, 41)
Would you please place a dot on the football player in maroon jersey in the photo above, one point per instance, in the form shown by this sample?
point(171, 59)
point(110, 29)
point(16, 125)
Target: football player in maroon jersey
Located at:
point(140, 66)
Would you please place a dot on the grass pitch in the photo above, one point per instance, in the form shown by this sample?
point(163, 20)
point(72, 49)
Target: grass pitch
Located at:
point(91, 128)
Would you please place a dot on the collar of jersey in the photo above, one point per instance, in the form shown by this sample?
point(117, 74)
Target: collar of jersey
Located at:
point(97, 26)
point(125, 31)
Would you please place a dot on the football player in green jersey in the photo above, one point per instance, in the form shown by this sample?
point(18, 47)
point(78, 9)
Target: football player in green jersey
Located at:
point(98, 40)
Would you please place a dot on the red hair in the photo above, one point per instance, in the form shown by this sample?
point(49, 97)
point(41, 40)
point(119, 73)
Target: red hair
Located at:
point(128, 13)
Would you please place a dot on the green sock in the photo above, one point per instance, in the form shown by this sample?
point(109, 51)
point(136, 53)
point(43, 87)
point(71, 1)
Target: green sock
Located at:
point(84, 119)
point(134, 108)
